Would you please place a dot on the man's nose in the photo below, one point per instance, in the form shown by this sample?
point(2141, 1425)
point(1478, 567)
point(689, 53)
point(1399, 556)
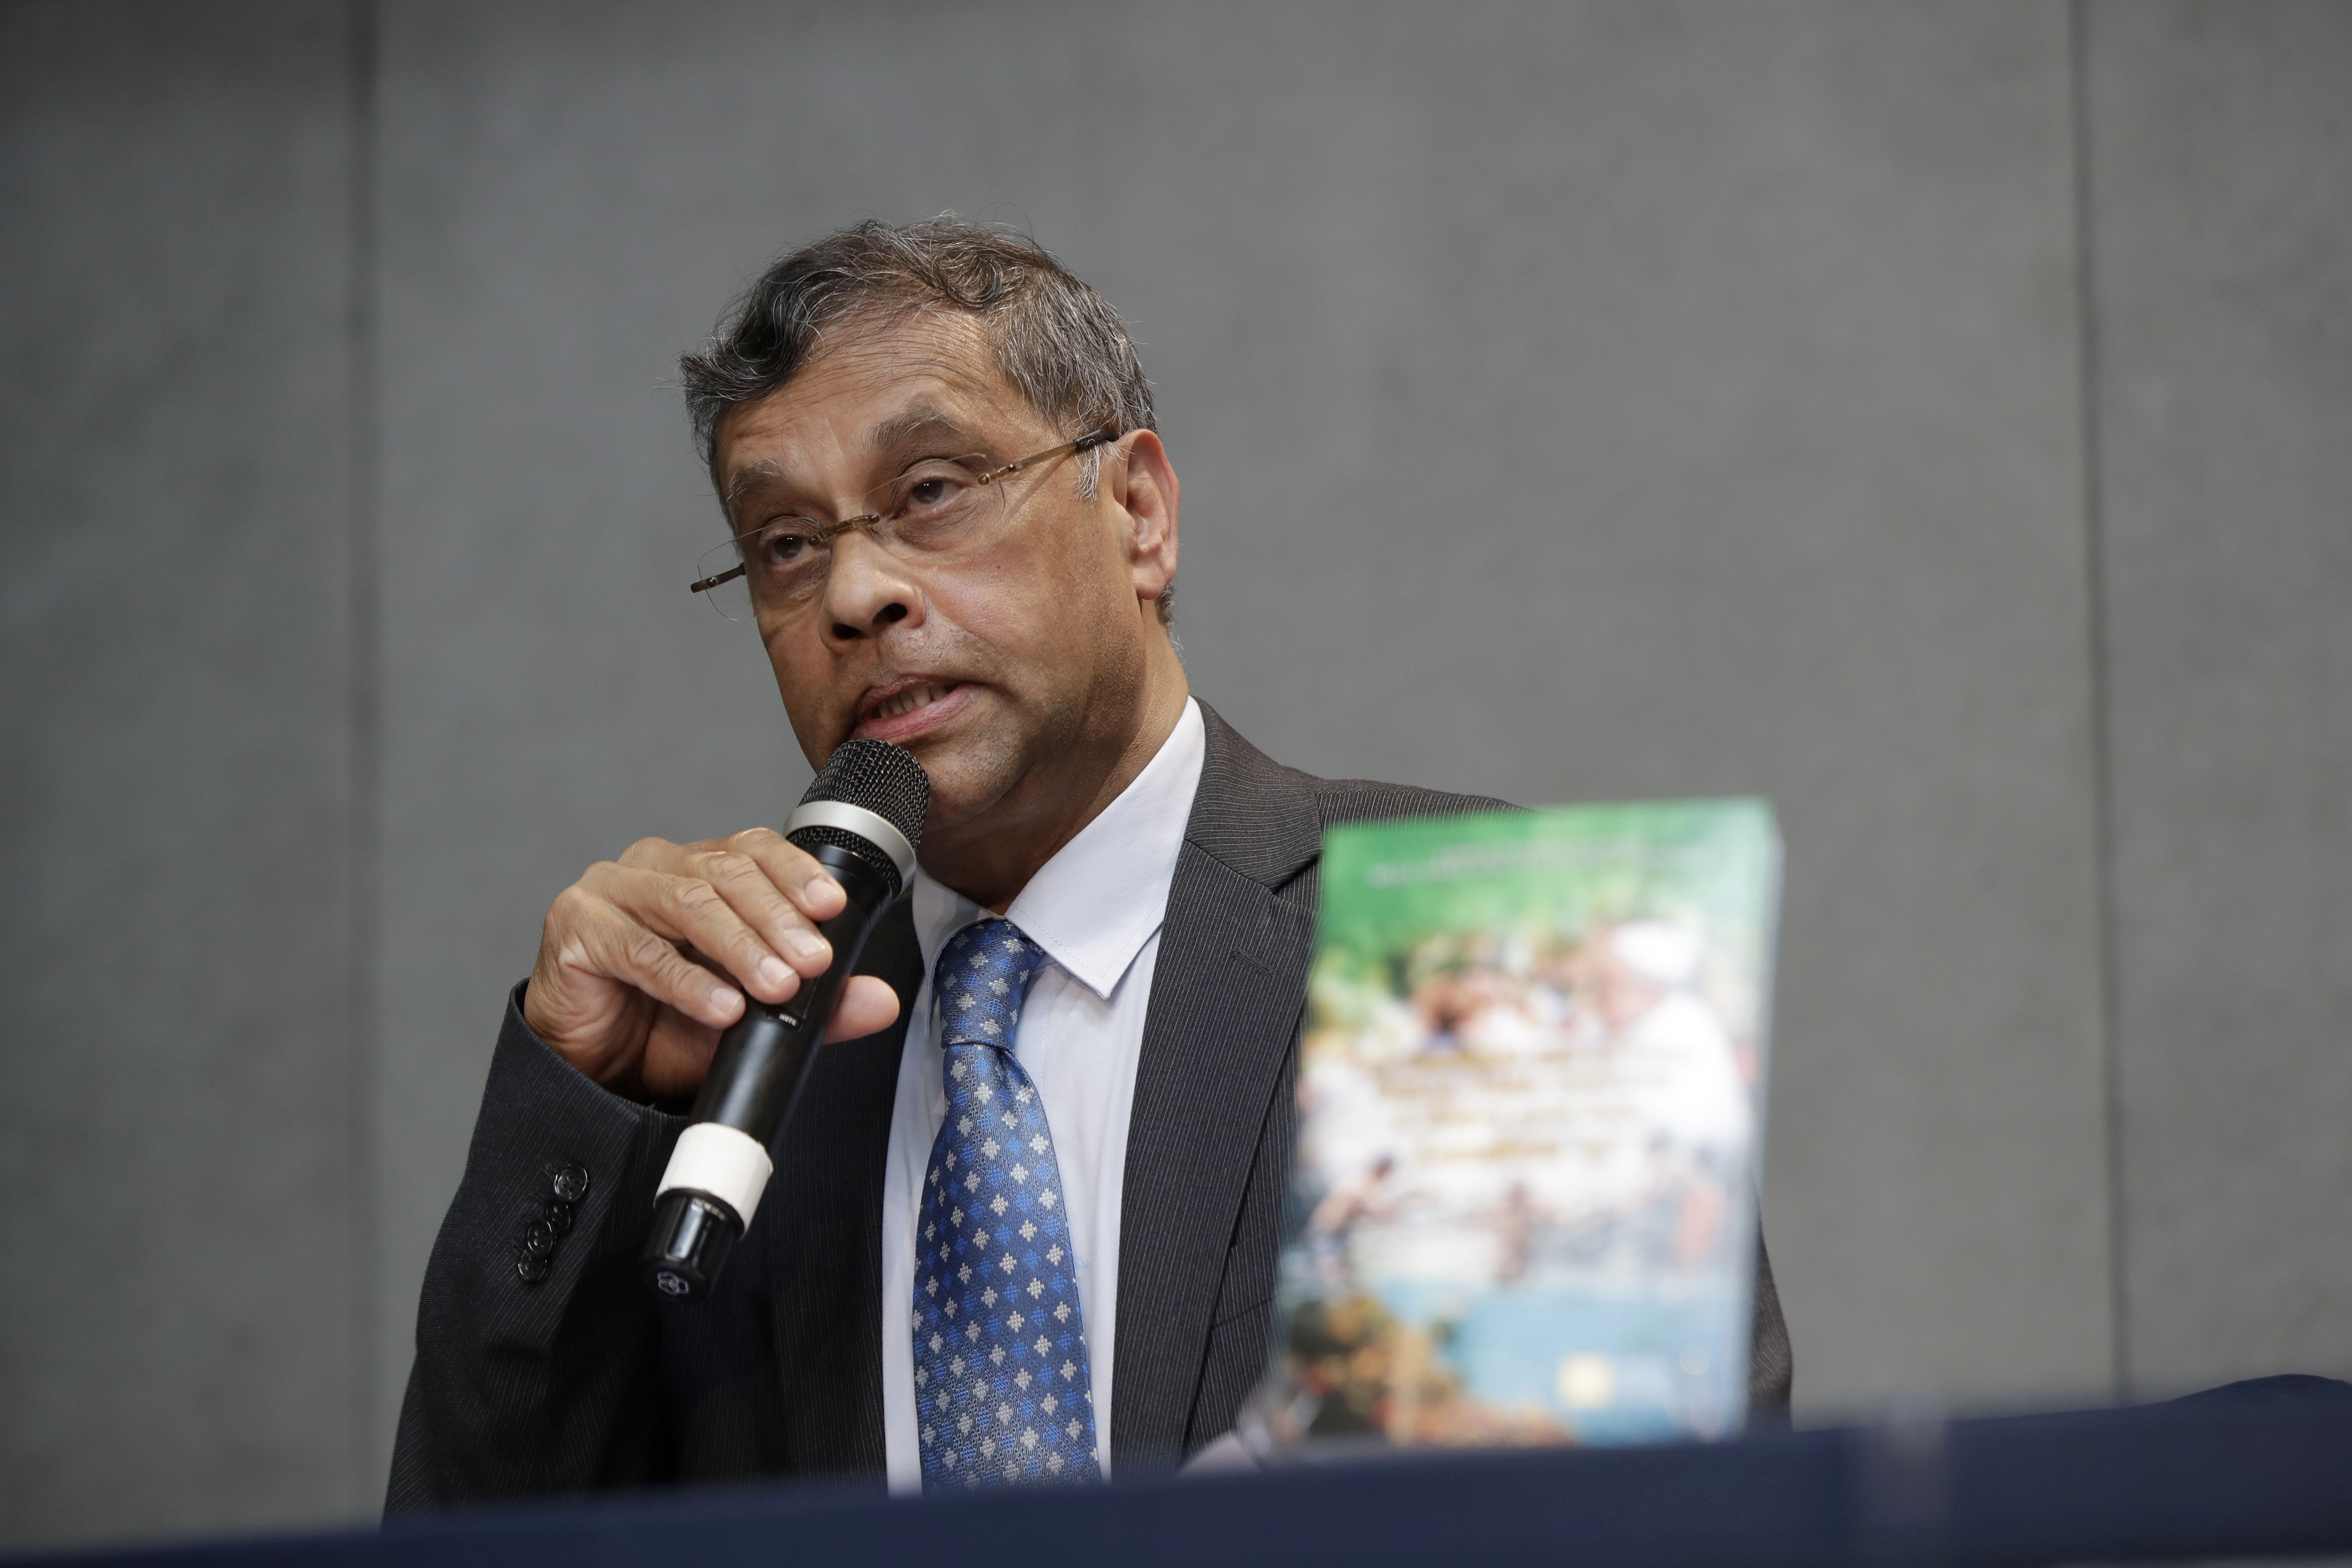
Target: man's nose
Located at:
point(867, 590)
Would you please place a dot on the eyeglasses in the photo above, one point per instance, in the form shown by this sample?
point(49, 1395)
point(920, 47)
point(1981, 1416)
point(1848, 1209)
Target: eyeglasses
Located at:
point(939, 511)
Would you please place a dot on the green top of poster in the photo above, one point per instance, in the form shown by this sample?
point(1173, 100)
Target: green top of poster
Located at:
point(1558, 867)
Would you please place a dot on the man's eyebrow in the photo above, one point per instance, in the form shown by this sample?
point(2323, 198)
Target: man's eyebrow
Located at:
point(761, 476)
point(922, 423)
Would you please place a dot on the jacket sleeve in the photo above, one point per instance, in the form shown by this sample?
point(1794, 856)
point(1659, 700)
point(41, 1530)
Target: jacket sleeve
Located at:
point(538, 1366)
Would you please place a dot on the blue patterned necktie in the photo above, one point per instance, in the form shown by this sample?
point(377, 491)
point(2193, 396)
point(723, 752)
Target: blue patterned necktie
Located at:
point(1002, 1394)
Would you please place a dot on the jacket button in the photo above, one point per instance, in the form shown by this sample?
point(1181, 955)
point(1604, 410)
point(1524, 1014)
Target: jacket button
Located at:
point(571, 1182)
point(538, 1239)
point(531, 1270)
point(559, 1215)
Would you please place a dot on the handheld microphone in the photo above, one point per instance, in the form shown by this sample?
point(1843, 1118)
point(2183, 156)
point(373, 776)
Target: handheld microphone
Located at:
point(861, 819)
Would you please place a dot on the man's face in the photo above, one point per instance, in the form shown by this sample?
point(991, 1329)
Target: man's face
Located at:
point(1006, 673)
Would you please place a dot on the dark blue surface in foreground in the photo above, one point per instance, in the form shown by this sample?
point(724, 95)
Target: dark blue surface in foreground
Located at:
point(2237, 1476)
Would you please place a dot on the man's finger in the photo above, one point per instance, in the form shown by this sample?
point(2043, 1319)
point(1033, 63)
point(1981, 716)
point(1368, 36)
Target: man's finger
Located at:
point(792, 869)
point(677, 1055)
point(687, 909)
point(867, 1007)
point(630, 954)
point(651, 855)
point(751, 892)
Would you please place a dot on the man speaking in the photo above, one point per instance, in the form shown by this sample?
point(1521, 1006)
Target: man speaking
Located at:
point(957, 533)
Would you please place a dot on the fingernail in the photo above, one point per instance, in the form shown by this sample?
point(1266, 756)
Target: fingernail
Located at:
point(803, 945)
point(722, 998)
point(773, 973)
point(819, 884)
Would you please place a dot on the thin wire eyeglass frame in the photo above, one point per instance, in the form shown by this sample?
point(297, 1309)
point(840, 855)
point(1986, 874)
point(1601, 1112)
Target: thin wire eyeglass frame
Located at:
point(827, 532)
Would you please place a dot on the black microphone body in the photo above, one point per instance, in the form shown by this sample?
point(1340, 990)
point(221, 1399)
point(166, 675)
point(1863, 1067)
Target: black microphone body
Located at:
point(860, 821)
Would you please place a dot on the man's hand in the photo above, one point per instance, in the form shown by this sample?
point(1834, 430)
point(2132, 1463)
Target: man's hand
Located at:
point(633, 983)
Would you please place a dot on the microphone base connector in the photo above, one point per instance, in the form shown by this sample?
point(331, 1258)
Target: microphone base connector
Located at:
point(692, 1234)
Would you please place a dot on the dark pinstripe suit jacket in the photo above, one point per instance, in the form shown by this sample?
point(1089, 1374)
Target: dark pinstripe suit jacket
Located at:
point(583, 1380)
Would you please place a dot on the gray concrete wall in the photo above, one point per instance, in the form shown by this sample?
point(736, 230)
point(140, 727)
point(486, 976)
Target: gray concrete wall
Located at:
point(185, 1259)
point(2222, 221)
point(1572, 400)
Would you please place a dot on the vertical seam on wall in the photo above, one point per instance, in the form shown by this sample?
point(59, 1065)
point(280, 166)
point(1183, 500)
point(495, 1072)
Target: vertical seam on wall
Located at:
point(364, 760)
point(2101, 752)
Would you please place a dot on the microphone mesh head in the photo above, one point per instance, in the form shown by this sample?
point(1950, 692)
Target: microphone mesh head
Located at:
point(880, 777)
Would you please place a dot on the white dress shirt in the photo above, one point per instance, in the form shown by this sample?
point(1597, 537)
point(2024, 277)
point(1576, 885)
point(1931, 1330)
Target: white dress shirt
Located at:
point(1095, 909)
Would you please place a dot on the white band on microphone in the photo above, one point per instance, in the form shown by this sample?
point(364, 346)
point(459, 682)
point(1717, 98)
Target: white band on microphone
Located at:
point(728, 1164)
point(870, 825)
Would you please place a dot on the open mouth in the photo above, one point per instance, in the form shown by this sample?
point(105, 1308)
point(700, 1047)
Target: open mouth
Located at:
point(902, 711)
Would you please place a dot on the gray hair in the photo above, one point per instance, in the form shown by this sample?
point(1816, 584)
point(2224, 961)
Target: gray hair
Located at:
point(1058, 341)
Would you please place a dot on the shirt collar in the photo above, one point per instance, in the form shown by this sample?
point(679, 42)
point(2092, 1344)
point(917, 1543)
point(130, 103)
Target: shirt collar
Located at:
point(1094, 905)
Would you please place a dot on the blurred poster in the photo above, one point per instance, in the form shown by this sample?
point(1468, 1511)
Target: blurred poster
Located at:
point(1530, 1096)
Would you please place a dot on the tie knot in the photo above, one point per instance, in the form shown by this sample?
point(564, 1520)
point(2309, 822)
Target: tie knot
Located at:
point(981, 976)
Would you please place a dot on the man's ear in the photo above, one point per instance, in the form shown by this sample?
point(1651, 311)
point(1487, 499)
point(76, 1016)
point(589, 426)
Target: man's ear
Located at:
point(1144, 486)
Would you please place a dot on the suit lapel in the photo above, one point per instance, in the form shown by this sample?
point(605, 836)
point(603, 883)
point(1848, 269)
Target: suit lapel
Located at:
point(1227, 997)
